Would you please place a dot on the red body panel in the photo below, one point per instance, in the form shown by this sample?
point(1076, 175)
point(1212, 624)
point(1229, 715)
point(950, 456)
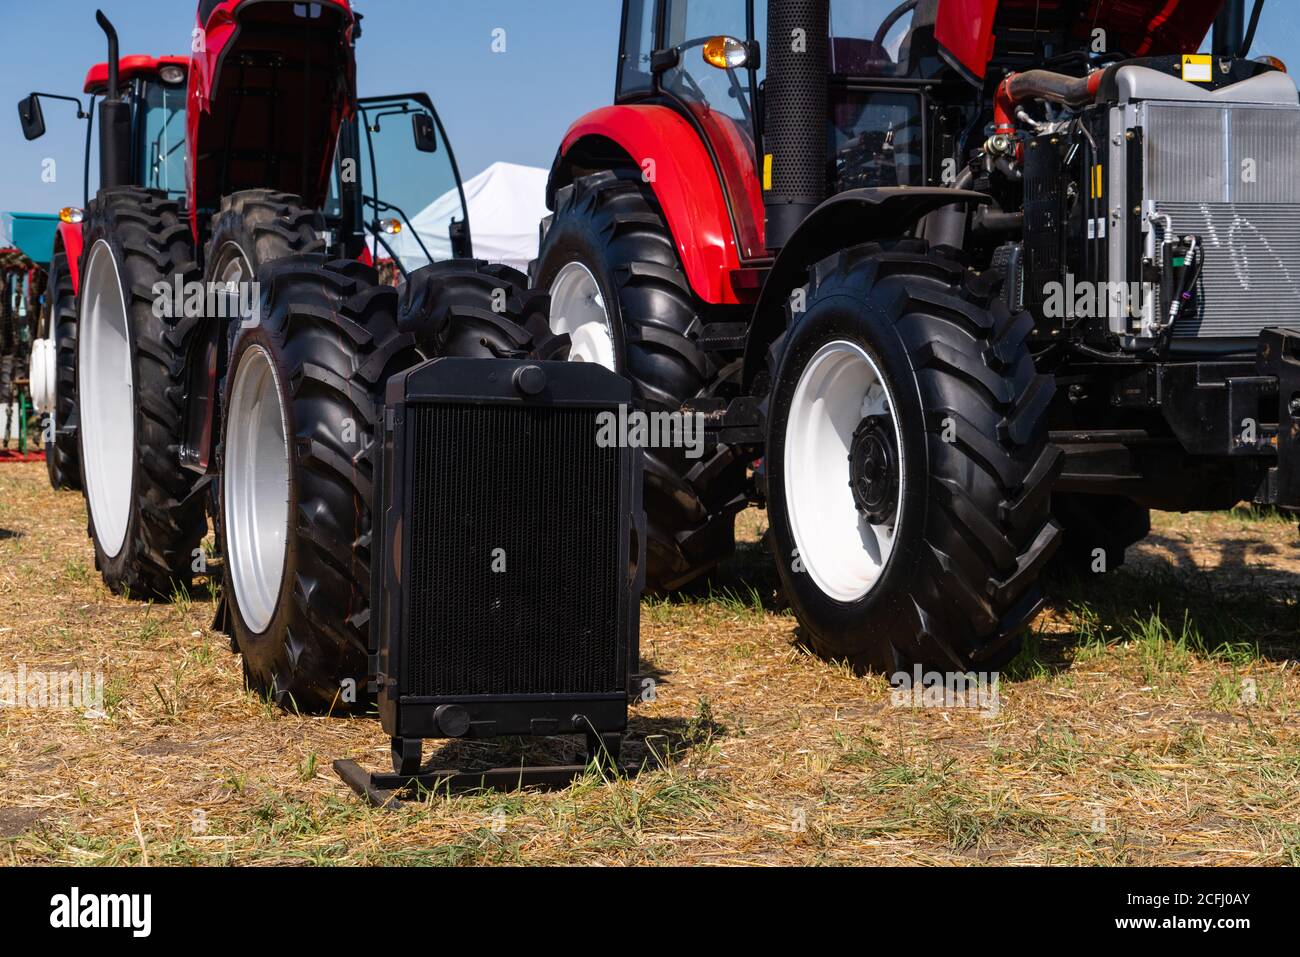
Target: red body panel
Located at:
point(129, 67)
point(207, 133)
point(966, 29)
point(686, 185)
point(71, 237)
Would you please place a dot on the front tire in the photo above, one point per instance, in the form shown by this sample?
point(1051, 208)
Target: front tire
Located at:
point(618, 290)
point(304, 400)
point(909, 473)
point(146, 513)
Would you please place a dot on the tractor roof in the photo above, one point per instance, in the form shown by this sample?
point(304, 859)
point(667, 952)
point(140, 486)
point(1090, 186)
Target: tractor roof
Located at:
point(130, 67)
point(969, 29)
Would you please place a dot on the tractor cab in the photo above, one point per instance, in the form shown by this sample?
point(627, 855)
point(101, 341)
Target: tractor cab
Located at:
point(705, 60)
point(153, 89)
point(156, 90)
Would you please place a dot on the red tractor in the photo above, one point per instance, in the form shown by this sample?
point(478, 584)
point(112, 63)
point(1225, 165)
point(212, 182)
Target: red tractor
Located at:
point(843, 232)
point(266, 151)
point(157, 95)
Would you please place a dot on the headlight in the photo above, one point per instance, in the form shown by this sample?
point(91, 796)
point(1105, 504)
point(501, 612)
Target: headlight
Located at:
point(172, 74)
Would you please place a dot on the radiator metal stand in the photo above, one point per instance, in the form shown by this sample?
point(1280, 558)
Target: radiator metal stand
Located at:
point(391, 789)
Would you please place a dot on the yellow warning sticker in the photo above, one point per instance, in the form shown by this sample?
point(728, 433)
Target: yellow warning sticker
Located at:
point(1097, 191)
point(1198, 68)
point(767, 171)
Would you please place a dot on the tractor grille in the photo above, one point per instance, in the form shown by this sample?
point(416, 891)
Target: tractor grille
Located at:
point(1226, 173)
point(515, 576)
point(1251, 278)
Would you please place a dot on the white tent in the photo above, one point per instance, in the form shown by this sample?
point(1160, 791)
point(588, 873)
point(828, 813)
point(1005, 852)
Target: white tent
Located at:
point(506, 204)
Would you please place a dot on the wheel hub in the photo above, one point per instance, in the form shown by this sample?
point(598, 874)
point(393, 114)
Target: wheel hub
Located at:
point(873, 470)
point(844, 470)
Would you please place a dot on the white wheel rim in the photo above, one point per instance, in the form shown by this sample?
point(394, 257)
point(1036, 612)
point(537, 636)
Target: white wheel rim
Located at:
point(105, 398)
point(255, 480)
point(232, 270)
point(578, 309)
point(42, 365)
point(841, 551)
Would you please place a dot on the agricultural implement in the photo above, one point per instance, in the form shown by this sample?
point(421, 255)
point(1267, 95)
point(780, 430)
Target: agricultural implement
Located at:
point(21, 286)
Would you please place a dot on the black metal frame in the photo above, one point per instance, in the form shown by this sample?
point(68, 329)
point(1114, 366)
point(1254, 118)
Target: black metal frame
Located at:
point(462, 238)
point(409, 718)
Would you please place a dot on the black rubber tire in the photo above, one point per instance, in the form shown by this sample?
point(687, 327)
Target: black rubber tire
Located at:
point(1090, 522)
point(975, 524)
point(615, 227)
point(62, 457)
point(265, 225)
point(334, 337)
point(151, 242)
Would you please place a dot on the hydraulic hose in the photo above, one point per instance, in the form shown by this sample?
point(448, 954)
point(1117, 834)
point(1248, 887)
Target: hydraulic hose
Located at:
point(1070, 91)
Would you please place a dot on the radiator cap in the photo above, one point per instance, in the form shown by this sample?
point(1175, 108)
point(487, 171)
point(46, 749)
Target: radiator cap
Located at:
point(453, 720)
point(530, 379)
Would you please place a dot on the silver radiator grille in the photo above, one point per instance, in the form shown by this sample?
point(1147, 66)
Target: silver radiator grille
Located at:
point(1251, 277)
point(1198, 153)
point(1230, 174)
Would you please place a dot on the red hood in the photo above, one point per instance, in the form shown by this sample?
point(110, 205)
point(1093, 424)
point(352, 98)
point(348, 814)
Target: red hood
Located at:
point(967, 29)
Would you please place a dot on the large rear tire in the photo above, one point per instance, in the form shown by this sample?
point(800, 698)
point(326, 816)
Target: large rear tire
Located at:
point(908, 469)
point(146, 513)
point(62, 458)
point(304, 397)
point(255, 227)
point(252, 228)
point(618, 290)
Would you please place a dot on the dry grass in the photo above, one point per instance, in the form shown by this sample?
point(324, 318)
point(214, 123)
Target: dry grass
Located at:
point(1124, 738)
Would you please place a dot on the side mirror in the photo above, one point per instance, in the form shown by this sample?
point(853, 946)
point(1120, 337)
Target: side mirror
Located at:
point(726, 53)
point(426, 136)
point(33, 119)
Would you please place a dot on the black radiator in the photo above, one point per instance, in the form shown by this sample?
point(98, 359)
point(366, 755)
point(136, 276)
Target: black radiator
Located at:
point(510, 552)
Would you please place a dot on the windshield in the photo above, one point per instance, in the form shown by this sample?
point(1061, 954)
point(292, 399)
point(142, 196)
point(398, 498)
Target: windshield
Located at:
point(868, 37)
point(162, 138)
point(419, 189)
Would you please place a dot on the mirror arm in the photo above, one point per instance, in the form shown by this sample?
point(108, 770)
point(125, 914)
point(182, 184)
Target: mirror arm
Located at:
point(82, 112)
point(379, 116)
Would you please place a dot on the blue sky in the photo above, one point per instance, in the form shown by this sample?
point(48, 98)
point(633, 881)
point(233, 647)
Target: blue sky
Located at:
point(515, 106)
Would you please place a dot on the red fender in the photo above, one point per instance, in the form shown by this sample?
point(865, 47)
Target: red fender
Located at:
point(71, 238)
point(686, 184)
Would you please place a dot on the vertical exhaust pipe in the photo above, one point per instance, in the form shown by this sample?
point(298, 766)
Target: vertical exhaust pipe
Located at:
point(114, 119)
point(795, 102)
